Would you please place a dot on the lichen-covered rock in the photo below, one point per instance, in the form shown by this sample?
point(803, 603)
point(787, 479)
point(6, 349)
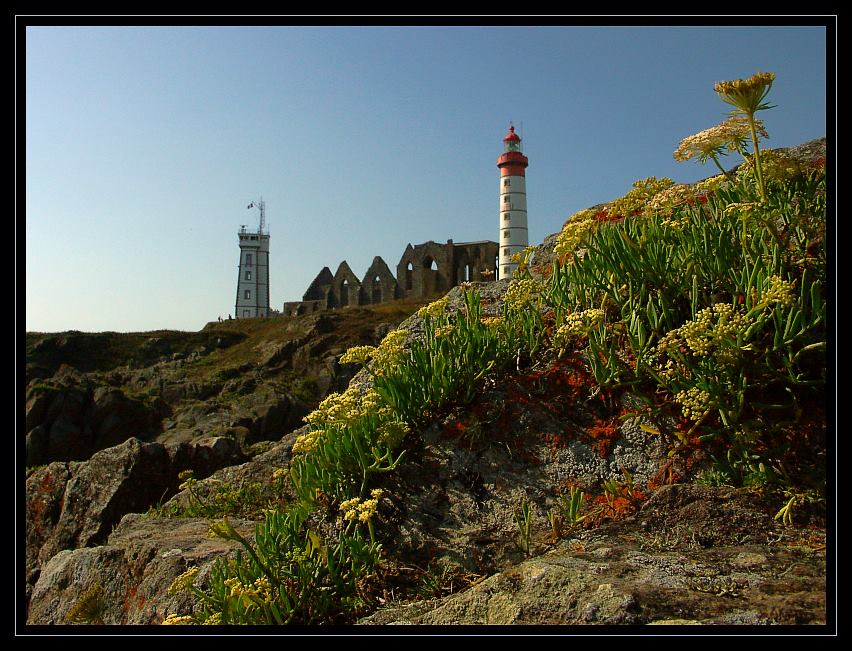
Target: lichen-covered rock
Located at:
point(76, 504)
point(45, 499)
point(634, 573)
point(132, 571)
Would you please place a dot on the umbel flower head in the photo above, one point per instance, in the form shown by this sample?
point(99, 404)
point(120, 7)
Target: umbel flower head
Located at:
point(746, 95)
point(521, 292)
point(176, 620)
point(575, 231)
point(694, 402)
point(578, 324)
point(355, 509)
point(434, 309)
point(358, 355)
point(730, 135)
point(184, 581)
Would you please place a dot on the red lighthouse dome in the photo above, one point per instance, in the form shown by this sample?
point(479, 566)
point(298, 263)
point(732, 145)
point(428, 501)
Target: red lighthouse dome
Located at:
point(512, 162)
point(511, 136)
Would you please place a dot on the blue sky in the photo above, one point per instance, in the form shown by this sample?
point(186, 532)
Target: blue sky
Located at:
point(144, 145)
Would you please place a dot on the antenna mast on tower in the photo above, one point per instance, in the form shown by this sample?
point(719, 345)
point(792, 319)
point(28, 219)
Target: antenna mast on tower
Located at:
point(261, 205)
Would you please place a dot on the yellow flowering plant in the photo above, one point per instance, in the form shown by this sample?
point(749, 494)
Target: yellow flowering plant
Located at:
point(354, 437)
point(747, 97)
point(730, 135)
point(288, 574)
point(575, 232)
point(633, 203)
point(700, 302)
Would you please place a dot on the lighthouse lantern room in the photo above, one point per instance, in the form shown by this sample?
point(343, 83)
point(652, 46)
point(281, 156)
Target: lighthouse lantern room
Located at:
point(514, 237)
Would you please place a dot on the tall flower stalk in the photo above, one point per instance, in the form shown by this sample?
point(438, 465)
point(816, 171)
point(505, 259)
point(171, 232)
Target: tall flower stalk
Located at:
point(746, 96)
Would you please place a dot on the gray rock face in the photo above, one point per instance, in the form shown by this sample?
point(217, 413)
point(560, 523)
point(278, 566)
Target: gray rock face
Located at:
point(36, 409)
point(739, 568)
point(134, 570)
point(76, 504)
point(609, 581)
point(113, 416)
point(70, 420)
point(281, 414)
point(68, 440)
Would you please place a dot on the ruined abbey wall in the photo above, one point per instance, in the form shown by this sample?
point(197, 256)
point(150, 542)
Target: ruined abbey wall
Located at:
point(424, 270)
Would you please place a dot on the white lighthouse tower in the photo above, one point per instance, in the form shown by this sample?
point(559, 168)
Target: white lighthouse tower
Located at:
point(253, 279)
point(513, 203)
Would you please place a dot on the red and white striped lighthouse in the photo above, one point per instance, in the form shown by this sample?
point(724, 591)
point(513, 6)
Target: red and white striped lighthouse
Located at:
point(513, 202)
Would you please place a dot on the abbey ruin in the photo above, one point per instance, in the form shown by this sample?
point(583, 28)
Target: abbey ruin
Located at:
point(424, 270)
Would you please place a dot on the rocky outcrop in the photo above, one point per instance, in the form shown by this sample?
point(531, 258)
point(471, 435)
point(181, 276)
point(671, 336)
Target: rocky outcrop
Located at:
point(106, 351)
point(70, 418)
point(143, 554)
point(76, 504)
point(256, 387)
point(691, 555)
point(632, 573)
point(458, 490)
point(741, 567)
point(132, 571)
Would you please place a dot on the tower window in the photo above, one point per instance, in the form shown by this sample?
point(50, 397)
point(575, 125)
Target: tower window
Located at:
point(247, 294)
point(506, 234)
point(248, 259)
point(248, 275)
point(506, 251)
point(506, 199)
point(505, 271)
point(505, 183)
point(506, 216)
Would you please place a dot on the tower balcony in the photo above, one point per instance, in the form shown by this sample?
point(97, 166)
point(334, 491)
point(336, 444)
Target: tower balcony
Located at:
point(515, 157)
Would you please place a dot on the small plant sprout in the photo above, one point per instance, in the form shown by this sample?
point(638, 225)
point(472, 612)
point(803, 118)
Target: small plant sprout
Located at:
point(569, 506)
point(89, 608)
point(188, 483)
point(556, 524)
point(796, 498)
point(523, 518)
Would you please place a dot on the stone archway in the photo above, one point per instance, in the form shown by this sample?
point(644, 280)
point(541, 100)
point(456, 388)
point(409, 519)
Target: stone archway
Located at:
point(464, 268)
point(376, 291)
point(409, 277)
point(344, 293)
point(430, 276)
point(346, 286)
point(379, 285)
